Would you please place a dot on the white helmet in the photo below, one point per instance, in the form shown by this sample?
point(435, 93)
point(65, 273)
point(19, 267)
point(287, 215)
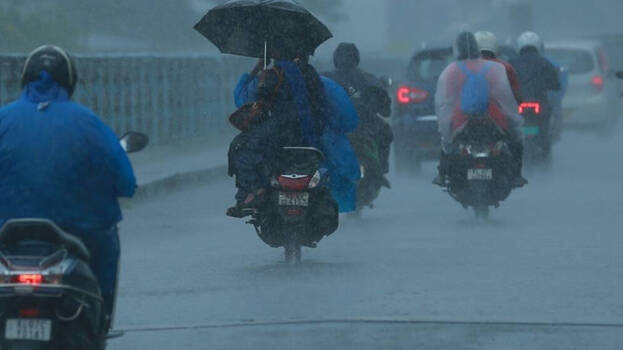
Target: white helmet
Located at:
point(487, 42)
point(529, 39)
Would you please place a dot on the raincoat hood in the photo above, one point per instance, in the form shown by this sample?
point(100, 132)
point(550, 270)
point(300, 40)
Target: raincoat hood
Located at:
point(46, 89)
point(346, 56)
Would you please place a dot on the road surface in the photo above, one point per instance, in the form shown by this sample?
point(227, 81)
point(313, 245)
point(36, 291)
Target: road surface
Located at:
point(417, 272)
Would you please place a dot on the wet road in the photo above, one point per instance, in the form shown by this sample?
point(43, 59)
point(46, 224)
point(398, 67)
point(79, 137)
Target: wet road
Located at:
point(550, 254)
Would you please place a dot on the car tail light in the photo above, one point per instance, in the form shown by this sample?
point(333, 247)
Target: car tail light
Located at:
point(28, 279)
point(293, 182)
point(598, 83)
point(406, 95)
point(534, 106)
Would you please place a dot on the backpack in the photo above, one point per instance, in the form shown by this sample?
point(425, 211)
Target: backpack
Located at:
point(254, 113)
point(475, 91)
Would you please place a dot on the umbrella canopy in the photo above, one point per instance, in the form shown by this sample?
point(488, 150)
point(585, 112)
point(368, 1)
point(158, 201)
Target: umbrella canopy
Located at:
point(249, 27)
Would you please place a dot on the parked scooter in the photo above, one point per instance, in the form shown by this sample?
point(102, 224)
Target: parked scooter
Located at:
point(49, 297)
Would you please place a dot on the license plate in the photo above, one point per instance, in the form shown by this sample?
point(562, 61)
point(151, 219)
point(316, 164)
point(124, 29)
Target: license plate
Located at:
point(531, 130)
point(28, 329)
point(294, 199)
point(480, 174)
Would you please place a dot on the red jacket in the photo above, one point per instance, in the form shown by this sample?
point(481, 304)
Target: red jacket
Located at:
point(512, 78)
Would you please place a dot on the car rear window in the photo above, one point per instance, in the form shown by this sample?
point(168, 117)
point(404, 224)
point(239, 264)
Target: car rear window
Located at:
point(428, 65)
point(574, 61)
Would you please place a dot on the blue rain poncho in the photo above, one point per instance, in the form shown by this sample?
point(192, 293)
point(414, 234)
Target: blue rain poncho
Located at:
point(341, 118)
point(60, 162)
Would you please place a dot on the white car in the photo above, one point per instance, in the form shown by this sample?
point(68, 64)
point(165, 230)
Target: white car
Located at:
point(591, 97)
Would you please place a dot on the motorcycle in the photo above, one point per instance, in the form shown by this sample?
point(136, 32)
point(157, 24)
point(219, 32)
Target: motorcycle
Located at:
point(372, 176)
point(537, 129)
point(367, 145)
point(479, 176)
point(287, 218)
point(50, 298)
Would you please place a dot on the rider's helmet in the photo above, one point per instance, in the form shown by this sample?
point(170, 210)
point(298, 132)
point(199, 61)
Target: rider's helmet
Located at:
point(529, 40)
point(465, 47)
point(487, 42)
point(56, 62)
point(346, 56)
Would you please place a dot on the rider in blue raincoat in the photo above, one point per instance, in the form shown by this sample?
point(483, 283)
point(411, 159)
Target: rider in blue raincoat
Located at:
point(58, 161)
point(341, 119)
point(556, 98)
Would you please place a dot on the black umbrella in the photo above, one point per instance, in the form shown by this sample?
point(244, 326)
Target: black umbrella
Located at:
point(281, 29)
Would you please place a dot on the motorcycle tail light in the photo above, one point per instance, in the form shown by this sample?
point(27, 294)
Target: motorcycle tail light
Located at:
point(534, 106)
point(29, 313)
point(315, 180)
point(293, 183)
point(294, 212)
point(28, 279)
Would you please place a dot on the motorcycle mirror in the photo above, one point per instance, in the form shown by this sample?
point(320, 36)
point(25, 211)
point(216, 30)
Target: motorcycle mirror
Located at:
point(387, 81)
point(134, 141)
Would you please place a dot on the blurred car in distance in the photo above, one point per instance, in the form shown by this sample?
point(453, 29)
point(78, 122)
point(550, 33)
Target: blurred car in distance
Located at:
point(591, 97)
point(415, 122)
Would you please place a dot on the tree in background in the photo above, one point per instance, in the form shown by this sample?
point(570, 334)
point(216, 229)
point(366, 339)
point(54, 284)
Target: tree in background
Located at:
point(22, 31)
point(79, 25)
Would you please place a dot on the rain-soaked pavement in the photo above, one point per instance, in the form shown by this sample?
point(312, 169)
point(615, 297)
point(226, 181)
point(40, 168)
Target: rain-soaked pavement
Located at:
point(417, 272)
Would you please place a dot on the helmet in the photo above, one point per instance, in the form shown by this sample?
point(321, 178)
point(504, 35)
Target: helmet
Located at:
point(487, 42)
point(529, 39)
point(56, 62)
point(346, 56)
point(465, 47)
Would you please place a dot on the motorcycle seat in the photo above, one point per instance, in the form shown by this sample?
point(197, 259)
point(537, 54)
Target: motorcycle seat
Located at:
point(19, 230)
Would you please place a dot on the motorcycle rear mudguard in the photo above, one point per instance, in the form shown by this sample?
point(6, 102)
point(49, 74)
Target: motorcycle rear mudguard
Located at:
point(274, 222)
point(537, 145)
point(479, 192)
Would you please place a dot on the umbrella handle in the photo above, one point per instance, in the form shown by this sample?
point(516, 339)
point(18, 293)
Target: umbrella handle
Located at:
point(265, 54)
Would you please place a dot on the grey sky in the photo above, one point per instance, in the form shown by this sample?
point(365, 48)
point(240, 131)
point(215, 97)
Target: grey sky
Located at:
point(399, 26)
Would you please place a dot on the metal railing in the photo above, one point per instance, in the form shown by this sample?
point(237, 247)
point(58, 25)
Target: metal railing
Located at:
point(170, 98)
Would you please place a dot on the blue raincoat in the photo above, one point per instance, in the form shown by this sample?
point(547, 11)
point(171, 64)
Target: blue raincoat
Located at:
point(342, 118)
point(59, 161)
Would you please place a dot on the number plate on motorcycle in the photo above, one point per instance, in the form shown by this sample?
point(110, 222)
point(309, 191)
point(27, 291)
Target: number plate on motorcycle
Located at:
point(531, 130)
point(480, 174)
point(28, 329)
point(294, 199)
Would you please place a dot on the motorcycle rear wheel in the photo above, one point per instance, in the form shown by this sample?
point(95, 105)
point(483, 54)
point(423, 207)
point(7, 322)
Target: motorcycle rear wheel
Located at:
point(292, 250)
point(481, 212)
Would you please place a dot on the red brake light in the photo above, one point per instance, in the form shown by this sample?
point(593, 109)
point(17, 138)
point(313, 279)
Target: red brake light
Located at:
point(535, 106)
point(29, 279)
point(294, 184)
point(407, 95)
point(29, 313)
point(598, 82)
point(403, 95)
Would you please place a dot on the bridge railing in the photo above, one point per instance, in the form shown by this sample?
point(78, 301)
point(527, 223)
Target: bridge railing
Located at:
point(170, 98)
